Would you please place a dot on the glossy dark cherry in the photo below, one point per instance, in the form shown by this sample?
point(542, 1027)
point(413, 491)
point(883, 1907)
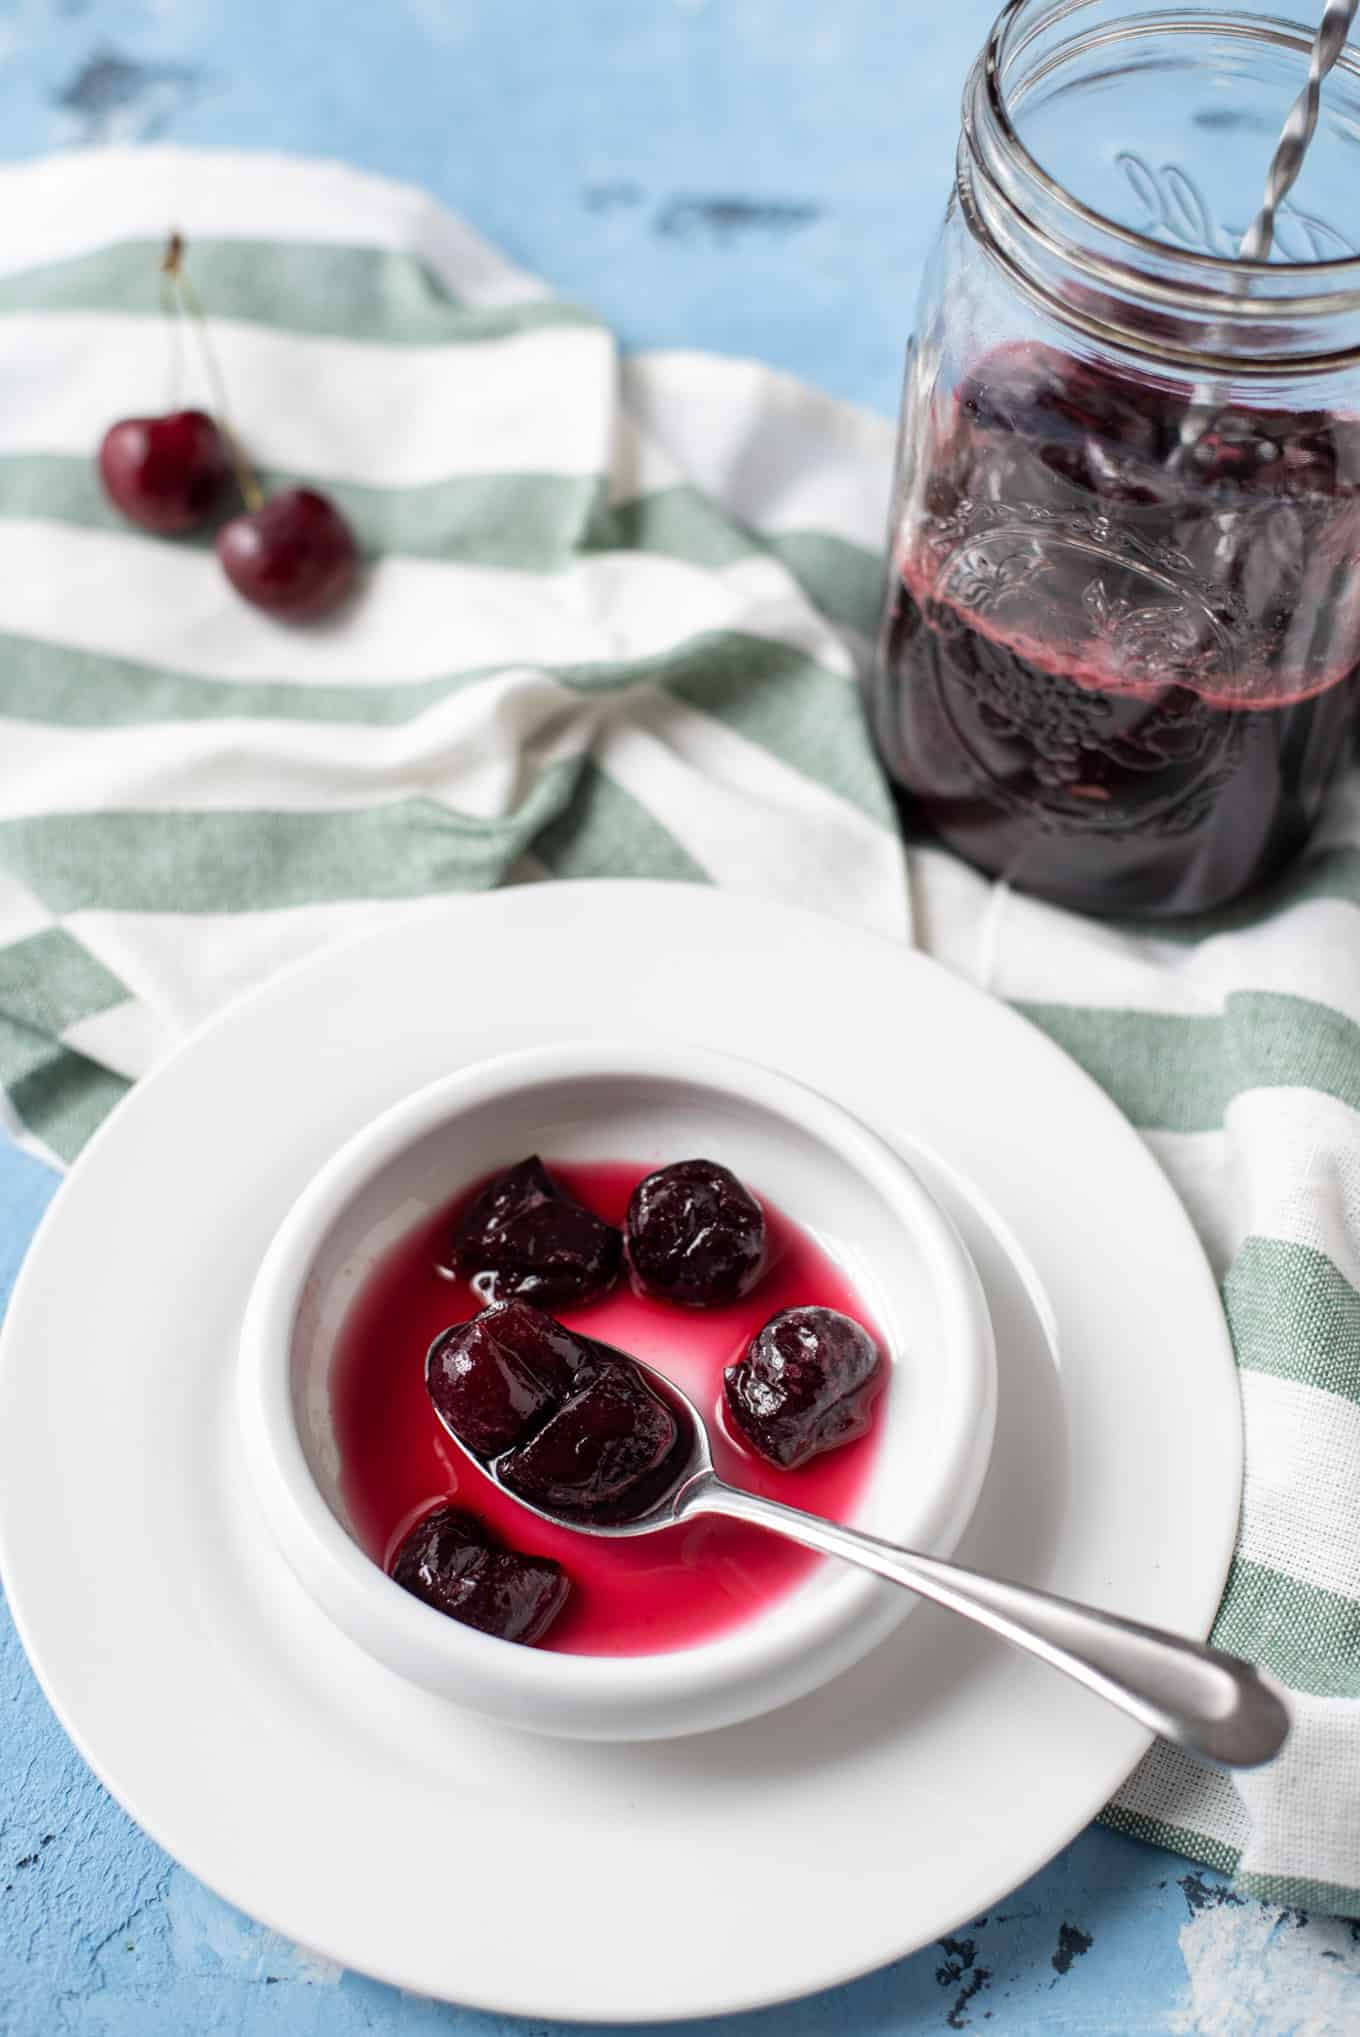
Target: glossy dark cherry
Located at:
point(604, 1454)
point(1120, 664)
point(450, 1561)
point(295, 557)
point(524, 1238)
point(806, 1384)
point(695, 1235)
point(165, 473)
point(496, 1379)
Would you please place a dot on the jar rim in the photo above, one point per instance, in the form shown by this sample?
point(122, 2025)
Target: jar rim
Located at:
point(1333, 285)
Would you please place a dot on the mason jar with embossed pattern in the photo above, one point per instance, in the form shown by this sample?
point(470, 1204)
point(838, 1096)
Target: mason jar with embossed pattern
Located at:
point(1120, 657)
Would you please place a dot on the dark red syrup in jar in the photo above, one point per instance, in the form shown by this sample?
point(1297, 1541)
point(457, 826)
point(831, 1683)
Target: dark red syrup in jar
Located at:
point(1119, 663)
point(663, 1591)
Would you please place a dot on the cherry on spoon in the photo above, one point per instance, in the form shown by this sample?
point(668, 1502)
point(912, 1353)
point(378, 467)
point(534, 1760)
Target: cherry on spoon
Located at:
point(1216, 1706)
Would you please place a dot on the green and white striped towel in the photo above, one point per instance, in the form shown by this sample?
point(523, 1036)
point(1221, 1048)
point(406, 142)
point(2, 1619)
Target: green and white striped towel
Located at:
point(612, 628)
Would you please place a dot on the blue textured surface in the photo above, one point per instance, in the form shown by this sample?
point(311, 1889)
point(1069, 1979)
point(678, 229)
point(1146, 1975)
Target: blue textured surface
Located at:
point(755, 176)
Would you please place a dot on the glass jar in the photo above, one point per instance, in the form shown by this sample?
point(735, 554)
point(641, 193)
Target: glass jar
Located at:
point(1121, 645)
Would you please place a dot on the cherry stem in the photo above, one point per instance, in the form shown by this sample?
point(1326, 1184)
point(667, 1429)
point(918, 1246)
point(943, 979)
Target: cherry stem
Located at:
point(170, 311)
point(175, 277)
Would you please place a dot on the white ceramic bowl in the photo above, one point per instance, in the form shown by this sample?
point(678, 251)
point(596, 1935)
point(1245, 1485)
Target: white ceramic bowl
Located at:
point(597, 1101)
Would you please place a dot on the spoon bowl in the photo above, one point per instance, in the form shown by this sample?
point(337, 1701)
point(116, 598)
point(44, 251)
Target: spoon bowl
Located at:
point(691, 1460)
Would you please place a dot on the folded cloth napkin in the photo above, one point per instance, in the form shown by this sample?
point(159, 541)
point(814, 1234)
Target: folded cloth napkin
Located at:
point(611, 627)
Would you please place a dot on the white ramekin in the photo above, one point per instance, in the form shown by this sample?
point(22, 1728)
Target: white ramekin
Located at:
point(615, 1100)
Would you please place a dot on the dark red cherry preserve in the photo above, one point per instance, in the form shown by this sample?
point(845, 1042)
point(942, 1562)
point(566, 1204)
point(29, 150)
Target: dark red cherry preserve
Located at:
point(662, 1591)
point(1120, 651)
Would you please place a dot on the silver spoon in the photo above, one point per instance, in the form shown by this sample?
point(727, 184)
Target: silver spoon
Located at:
point(1295, 138)
point(1214, 1705)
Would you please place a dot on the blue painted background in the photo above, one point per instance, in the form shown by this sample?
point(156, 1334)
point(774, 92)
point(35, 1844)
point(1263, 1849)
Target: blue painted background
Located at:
point(754, 176)
point(588, 139)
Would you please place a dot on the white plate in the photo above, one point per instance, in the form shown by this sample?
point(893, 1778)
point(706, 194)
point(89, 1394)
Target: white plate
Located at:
point(377, 1824)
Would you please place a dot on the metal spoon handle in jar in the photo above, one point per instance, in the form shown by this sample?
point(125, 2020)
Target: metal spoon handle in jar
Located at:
point(1216, 1706)
point(1299, 129)
point(1281, 176)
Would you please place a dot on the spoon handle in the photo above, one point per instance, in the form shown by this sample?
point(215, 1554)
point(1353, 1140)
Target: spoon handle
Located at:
point(1214, 1705)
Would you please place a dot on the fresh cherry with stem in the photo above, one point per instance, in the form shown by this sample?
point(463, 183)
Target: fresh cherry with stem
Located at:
point(292, 554)
point(167, 473)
